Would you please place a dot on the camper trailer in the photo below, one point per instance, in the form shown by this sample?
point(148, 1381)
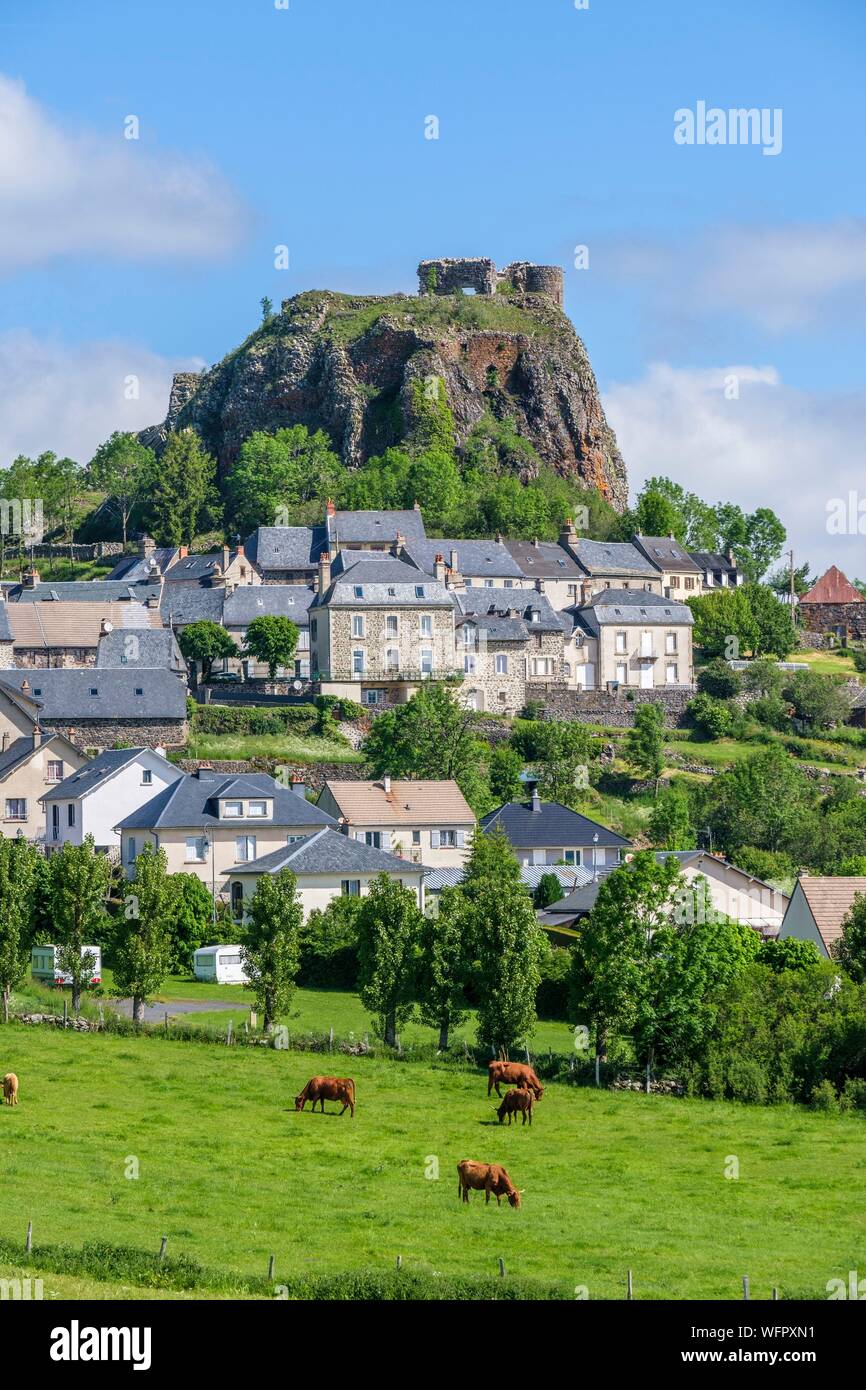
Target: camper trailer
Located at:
point(45, 965)
point(220, 965)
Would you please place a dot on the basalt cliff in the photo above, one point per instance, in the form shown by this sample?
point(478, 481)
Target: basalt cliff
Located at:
point(351, 366)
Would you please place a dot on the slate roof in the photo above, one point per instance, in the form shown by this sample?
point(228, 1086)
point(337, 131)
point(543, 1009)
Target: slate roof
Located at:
point(190, 603)
point(153, 647)
point(613, 557)
point(63, 694)
point(476, 559)
point(407, 803)
point(374, 527)
point(545, 560)
point(94, 773)
point(86, 591)
point(618, 606)
point(17, 753)
point(711, 560)
point(329, 852)
point(133, 568)
point(285, 547)
point(833, 587)
point(498, 605)
point(667, 553)
point(553, 824)
point(198, 569)
point(192, 802)
point(250, 601)
point(377, 576)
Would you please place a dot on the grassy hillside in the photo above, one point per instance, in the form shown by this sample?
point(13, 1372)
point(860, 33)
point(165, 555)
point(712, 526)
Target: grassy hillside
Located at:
point(230, 1173)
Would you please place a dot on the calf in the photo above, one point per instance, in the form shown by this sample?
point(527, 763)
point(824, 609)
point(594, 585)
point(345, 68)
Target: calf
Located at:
point(513, 1074)
point(517, 1102)
point(322, 1088)
point(486, 1178)
point(10, 1088)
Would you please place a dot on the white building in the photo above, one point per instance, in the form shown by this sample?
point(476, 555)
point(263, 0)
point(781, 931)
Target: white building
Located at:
point(102, 792)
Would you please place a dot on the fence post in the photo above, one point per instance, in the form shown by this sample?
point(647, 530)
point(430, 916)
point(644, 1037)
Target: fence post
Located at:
point(399, 1261)
point(229, 1034)
point(597, 1060)
point(501, 1267)
point(526, 1046)
point(630, 1293)
point(271, 1262)
point(647, 1078)
point(64, 1011)
point(331, 1039)
point(775, 1295)
point(746, 1287)
point(163, 1243)
point(28, 1244)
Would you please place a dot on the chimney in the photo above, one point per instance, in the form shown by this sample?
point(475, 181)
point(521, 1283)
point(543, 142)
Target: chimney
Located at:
point(227, 557)
point(535, 541)
point(454, 562)
point(183, 552)
point(386, 783)
point(498, 537)
point(239, 549)
point(536, 800)
point(439, 568)
point(37, 735)
point(344, 825)
point(4, 743)
point(299, 788)
point(153, 601)
point(31, 577)
point(567, 535)
point(104, 627)
point(416, 505)
point(25, 686)
point(330, 509)
point(146, 545)
point(729, 557)
point(205, 773)
point(324, 571)
point(399, 543)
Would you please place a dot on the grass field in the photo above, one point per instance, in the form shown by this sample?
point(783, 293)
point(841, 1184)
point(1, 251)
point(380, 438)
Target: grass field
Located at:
point(230, 1173)
point(295, 748)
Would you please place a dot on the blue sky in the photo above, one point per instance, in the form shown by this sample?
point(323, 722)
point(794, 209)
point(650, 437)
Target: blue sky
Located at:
point(305, 126)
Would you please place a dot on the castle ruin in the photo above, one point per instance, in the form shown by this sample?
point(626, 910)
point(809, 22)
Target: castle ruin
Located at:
point(450, 274)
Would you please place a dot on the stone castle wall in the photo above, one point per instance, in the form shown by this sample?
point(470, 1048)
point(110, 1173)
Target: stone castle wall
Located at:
point(454, 273)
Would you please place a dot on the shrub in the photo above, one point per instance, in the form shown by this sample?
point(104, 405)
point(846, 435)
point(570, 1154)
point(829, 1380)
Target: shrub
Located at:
point(854, 1093)
point(710, 716)
point(824, 1097)
point(765, 864)
point(772, 712)
point(718, 679)
point(551, 999)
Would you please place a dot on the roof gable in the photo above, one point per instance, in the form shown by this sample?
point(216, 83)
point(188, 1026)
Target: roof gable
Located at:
point(833, 587)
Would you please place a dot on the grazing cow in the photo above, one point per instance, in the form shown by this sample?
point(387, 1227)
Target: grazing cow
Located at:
point(486, 1178)
point(322, 1088)
point(513, 1074)
point(517, 1102)
point(10, 1088)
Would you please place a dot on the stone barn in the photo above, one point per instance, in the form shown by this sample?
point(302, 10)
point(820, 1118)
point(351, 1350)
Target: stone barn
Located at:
point(834, 605)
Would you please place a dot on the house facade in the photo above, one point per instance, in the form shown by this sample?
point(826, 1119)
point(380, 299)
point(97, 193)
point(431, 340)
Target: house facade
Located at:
point(631, 638)
point(100, 792)
point(550, 833)
point(422, 822)
point(31, 765)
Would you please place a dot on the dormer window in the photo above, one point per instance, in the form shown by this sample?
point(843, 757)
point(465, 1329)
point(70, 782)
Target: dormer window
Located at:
point(257, 809)
point(233, 809)
point(93, 690)
point(358, 591)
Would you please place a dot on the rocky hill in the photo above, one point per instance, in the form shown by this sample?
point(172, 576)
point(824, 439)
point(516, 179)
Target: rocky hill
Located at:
point(350, 365)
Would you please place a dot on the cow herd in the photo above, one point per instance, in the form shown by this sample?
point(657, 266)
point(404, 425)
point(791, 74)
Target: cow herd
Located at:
point(490, 1178)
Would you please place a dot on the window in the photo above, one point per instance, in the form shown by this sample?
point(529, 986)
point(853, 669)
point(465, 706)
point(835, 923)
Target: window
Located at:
point(351, 888)
point(416, 837)
point(358, 591)
point(470, 635)
point(392, 592)
point(293, 839)
point(391, 625)
point(449, 838)
point(245, 849)
point(572, 591)
point(672, 675)
point(509, 584)
point(314, 628)
point(373, 838)
point(621, 639)
point(196, 849)
point(233, 809)
point(146, 777)
point(543, 666)
point(426, 625)
point(139, 690)
point(54, 771)
point(622, 673)
point(371, 697)
point(94, 690)
point(689, 582)
point(131, 850)
point(426, 661)
point(469, 664)
point(237, 900)
point(55, 821)
point(70, 813)
point(571, 856)
point(501, 664)
point(357, 662)
point(16, 808)
point(358, 625)
point(257, 809)
point(392, 659)
point(488, 583)
point(419, 590)
point(670, 642)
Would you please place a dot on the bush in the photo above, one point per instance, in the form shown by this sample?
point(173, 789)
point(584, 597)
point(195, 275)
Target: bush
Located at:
point(854, 1093)
point(824, 1097)
point(329, 946)
point(718, 679)
point(772, 712)
point(711, 717)
point(765, 864)
point(551, 999)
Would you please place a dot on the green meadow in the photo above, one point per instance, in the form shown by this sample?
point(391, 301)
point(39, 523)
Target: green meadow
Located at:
point(124, 1140)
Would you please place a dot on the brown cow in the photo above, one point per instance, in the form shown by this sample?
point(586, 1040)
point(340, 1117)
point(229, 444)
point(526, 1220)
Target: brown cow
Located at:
point(517, 1102)
point(487, 1178)
point(322, 1088)
point(513, 1074)
point(10, 1088)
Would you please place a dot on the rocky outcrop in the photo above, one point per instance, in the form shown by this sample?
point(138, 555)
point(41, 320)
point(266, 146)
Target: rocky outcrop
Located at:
point(347, 364)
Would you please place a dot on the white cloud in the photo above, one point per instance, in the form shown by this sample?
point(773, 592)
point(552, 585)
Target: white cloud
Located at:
point(783, 277)
point(774, 446)
point(68, 399)
point(67, 192)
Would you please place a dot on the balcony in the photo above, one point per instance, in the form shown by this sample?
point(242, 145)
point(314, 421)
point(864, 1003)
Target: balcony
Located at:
point(397, 674)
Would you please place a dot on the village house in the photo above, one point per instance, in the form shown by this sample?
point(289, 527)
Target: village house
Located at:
point(833, 605)
point(717, 571)
point(210, 823)
point(33, 590)
point(149, 647)
point(175, 563)
point(551, 569)
point(503, 639)
point(286, 554)
point(545, 832)
point(468, 564)
point(378, 628)
point(681, 575)
point(632, 638)
point(56, 633)
point(326, 865)
point(428, 822)
point(818, 908)
point(96, 708)
point(99, 792)
point(290, 601)
point(610, 564)
point(31, 764)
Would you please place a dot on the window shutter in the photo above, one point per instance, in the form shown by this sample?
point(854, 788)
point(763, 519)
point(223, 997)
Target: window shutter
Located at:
point(386, 840)
point(434, 839)
point(461, 839)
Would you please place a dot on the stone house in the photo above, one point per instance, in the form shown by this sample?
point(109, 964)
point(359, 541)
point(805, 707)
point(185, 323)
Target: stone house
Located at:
point(54, 633)
point(210, 824)
point(326, 865)
point(504, 638)
point(717, 571)
point(682, 577)
point(550, 568)
point(99, 792)
point(290, 601)
point(96, 708)
point(633, 638)
point(30, 765)
point(469, 563)
point(610, 564)
point(379, 627)
point(834, 605)
point(427, 822)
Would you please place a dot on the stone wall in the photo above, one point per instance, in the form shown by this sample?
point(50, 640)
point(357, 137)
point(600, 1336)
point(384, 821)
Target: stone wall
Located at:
point(849, 618)
point(107, 733)
point(453, 273)
point(598, 707)
point(313, 774)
